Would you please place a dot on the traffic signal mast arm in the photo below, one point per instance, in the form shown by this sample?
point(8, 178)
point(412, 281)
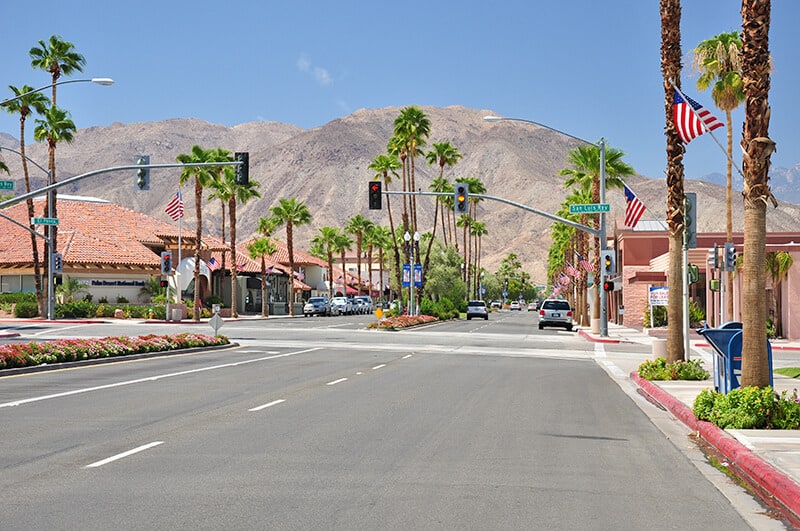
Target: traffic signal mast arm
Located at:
point(578, 226)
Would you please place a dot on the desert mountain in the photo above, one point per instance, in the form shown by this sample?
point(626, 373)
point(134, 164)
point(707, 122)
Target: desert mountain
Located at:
point(327, 167)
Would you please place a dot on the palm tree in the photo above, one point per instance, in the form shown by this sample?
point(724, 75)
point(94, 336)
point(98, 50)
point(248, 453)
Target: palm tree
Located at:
point(478, 231)
point(778, 265)
point(670, 71)
point(585, 173)
point(259, 249)
point(443, 154)
point(412, 127)
point(203, 177)
point(757, 148)
point(327, 242)
point(385, 167)
point(718, 61)
point(341, 245)
point(23, 105)
point(357, 225)
point(382, 240)
point(371, 237)
point(292, 213)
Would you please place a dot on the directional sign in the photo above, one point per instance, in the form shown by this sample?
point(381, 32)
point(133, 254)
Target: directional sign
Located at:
point(6, 185)
point(589, 209)
point(44, 221)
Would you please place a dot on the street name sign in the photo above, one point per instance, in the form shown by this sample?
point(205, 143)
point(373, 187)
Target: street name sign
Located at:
point(590, 208)
point(6, 185)
point(44, 221)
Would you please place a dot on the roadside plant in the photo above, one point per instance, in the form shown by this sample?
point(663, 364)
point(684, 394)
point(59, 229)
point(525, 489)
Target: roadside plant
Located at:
point(659, 369)
point(749, 408)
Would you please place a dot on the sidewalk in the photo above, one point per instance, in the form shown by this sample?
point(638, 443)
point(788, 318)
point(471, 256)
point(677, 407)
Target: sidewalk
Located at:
point(768, 460)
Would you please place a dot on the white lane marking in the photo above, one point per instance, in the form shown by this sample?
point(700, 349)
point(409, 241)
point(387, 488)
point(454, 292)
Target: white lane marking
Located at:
point(151, 378)
point(619, 373)
point(340, 380)
point(381, 366)
point(270, 404)
point(124, 454)
point(406, 356)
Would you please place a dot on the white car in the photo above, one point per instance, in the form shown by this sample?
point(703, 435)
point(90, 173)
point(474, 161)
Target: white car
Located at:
point(342, 304)
point(366, 302)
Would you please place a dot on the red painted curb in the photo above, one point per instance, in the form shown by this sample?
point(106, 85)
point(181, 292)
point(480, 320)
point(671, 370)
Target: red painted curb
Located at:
point(588, 336)
point(779, 485)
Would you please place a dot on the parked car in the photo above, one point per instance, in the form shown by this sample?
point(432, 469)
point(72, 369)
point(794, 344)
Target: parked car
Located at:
point(496, 305)
point(515, 305)
point(477, 309)
point(366, 300)
point(342, 305)
point(317, 306)
point(555, 312)
point(532, 307)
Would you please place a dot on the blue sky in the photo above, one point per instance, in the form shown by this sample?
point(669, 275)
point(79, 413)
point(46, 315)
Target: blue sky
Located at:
point(588, 68)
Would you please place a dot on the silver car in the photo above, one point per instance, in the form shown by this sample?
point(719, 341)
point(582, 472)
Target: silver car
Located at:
point(555, 312)
point(477, 309)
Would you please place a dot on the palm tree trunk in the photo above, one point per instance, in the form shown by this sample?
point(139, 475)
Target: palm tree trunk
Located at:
point(198, 209)
point(290, 249)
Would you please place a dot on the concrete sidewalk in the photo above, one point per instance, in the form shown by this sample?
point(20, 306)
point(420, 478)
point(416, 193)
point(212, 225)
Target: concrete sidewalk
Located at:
point(768, 460)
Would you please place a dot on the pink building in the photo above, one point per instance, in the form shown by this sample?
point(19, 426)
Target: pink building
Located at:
point(642, 262)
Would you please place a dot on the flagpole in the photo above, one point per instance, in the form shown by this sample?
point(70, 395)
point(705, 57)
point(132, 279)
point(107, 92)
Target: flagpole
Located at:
point(707, 130)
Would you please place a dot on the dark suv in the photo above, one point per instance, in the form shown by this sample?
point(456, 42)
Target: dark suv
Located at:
point(555, 312)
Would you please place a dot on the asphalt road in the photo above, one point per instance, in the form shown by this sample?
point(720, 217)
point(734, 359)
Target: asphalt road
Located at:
point(317, 423)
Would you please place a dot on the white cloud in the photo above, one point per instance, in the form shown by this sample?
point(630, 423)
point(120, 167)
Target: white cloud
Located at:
point(320, 74)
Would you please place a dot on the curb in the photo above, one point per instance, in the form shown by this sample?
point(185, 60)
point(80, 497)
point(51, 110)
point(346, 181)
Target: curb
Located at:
point(587, 335)
point(758, 473)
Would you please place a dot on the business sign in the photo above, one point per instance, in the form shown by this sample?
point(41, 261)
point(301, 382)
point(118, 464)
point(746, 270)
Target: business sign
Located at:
point(659, 295)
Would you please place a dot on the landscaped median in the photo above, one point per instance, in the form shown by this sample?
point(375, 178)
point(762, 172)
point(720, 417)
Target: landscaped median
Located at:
point(66, 350)
point(401, 321)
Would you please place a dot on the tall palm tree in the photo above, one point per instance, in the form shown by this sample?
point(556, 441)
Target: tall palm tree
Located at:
point(357, 225)
point(718, 61)
point(478, 231)
point(412, 127)
point(778, 265)
point(382, 240)
point(757, 148)
point(55, 126)
point(203, 177)
point(240, 194)
point(23, 106)
point(386, 167)
point(341, 245)
point(292, 213)
point(259, 249)
point(443, 154)
point(326, 241)
point(670, 71)
point(371, 237)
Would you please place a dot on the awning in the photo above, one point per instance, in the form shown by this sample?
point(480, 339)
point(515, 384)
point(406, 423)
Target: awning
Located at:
point(649, 277)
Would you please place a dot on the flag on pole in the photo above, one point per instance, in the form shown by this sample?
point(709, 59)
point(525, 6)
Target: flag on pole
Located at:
point(571, 271)
point(633, 208)
point(175, 207)
point(213, 265)
point(585, 264)
point(564, 279)
point(692, 119)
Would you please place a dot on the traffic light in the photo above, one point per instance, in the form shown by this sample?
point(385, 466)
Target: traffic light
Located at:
point(461, 198)
point(242, 170)
point(730, 256)
point(166, 263)
point(608, 285)
point(164, 283)
point(143, 174)
point(713, 257)
point(608, 263)
point(375, 195)
point(690, 220)
point(58, 263)
point(694, 274)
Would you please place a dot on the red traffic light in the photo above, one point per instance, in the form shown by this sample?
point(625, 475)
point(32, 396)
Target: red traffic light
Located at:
point(375, 196)
point(164, 283)
point(608, 285)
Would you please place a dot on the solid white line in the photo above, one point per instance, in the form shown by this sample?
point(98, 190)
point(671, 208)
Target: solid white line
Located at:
point(151, 378)
point(381, 366)
point(340, 380)
point(265, 406)
point(124, 454)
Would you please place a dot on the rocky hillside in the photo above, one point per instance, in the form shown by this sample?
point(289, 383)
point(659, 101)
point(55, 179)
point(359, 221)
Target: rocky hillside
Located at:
point(327, 167)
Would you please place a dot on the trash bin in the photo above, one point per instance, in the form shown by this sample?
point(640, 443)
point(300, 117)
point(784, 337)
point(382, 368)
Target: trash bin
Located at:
point(726, 340)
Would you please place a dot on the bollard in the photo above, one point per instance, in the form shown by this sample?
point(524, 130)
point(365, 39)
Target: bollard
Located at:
point(659, 348)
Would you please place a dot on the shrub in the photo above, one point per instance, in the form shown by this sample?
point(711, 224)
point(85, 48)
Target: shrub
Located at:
point(26, 310)
point(122, 300)
point(658, 369)
point(28, 296)
point(659, 317)
point(749, 408)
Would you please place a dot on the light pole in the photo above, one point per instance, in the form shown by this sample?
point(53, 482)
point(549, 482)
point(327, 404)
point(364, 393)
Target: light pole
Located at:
point(409, 306)
point(601, 145)
point(105, 81)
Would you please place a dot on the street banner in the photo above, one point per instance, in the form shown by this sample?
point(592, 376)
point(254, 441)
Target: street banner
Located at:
point(406, 275)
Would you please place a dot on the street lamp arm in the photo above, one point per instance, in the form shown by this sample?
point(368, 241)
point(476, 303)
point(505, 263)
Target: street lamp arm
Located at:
point(105, 81)
point(26, 158)
point(503, 118)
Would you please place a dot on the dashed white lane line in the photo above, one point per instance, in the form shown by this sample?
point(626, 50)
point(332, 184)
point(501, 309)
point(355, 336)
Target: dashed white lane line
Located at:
point(340, 380)
point(381, 366)
point(124, 454)
point(269, 404)
point(406, 356)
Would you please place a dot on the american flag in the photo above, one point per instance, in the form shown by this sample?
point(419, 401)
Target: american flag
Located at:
point(571, 271)
point(690, 117)
point(175, 207)
point(585, 264)
point(213, 265)
point(633, 208)
point(564, 279)
point(270, 269)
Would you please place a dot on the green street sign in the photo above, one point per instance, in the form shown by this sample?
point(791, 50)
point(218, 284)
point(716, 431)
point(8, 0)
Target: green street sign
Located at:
point(6, 185)
point(589, 209)
point(44, 221)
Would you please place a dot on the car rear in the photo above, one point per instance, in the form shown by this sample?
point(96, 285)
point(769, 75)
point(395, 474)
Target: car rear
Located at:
point(477, 309)
point(555, 312)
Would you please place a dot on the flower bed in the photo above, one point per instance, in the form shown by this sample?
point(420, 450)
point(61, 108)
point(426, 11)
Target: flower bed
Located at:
point(63, 350)
point(401, 321)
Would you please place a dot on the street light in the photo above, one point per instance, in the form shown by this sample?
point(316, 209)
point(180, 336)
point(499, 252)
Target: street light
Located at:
point(105, 81)
point(601, 145)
